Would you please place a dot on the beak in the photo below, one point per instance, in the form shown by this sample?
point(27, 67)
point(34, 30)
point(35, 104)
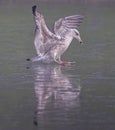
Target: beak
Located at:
point(79, 39)
point(81, 42)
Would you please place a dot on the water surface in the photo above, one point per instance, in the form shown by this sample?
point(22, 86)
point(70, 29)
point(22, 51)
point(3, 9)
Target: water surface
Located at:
point(48, 97)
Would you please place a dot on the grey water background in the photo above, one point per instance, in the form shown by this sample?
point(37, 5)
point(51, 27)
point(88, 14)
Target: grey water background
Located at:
point(47, 97)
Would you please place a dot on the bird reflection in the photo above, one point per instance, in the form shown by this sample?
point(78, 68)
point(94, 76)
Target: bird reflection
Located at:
point(54, 91)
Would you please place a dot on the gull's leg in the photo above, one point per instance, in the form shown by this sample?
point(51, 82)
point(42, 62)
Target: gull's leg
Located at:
point(57, 60)
point(64, 63)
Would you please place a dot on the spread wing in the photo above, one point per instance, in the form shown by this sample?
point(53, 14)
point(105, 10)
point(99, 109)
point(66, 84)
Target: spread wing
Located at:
point(64, 25)
point(44, 38)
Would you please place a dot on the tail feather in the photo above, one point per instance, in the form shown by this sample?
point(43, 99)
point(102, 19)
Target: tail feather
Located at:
point(37, 58)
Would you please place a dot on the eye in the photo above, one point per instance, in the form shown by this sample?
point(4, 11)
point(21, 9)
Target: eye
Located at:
point(76, 33)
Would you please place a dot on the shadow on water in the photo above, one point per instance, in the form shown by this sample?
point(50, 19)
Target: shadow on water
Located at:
point(56, 96)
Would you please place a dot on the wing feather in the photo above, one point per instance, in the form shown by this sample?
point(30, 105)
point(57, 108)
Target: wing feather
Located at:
point(63, 25)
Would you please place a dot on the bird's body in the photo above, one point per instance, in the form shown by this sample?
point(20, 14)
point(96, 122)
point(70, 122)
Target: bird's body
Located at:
point(50, 46)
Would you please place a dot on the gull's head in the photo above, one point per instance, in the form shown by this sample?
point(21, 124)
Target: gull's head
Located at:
point(77, 36)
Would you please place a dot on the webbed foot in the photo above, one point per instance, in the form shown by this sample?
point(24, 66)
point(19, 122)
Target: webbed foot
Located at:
point(64, 63)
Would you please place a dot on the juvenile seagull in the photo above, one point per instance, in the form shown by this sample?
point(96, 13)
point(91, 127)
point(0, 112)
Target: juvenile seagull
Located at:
point(51, 45)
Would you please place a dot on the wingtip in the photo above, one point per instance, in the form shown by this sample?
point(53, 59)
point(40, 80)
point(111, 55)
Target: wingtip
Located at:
point(34, 9)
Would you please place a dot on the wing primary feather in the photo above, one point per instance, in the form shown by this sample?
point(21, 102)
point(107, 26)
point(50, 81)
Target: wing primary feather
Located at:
point(74, 17)
point(67, 23)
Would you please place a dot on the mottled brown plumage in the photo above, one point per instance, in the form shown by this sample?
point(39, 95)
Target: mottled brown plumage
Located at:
point(50, 46)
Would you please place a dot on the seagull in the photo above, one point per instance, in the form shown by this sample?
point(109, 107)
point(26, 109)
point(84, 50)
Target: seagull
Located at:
point(50, 45)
